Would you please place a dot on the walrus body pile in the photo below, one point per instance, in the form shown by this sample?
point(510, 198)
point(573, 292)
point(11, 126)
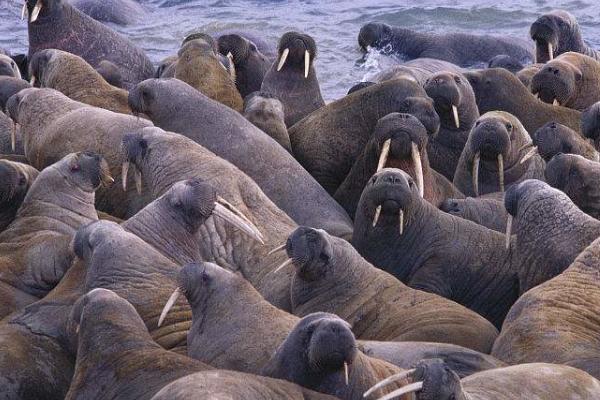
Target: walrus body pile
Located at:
point(211, 228)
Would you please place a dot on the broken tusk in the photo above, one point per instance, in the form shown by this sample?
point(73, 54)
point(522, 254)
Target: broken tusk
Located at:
point(172, 299)
point(401, 218)
point(388, 380)
point(346, 372)
point(455, 114)
point(276, 249)
point(508, 230)
point(550, 51)
point(385, 150)
point(124, 172)
point(235, 220)
point(416, 158)
point(284, 56)
point(529, 154)
point(306, 63)
point(501, 172)
point(555, 103)
point(413, 387)
point(285, 264)
point(36, 11)
point(475, 174)
point(376, 217)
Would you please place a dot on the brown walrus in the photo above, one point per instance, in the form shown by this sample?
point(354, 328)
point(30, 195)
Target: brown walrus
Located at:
point(15, 180)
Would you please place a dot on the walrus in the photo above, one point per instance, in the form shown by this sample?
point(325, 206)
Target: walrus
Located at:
point(53, 23)
point(526, 74)
point(15, 180)
point(198, 66)
point(120, 12)
point(359, 86)
point(458, 48)
point(76, 79)
point(553, 138)
point(8, 67)
point(434, 380)
point(494, 156)
point(329, 140)
point(111, 74)
point(496, 89)
point(579, 178)
point(330, 276)
point(455, 104)
point(9, 86)
point(292, 77)
point(266, 112)
point(558, 32)
point(507, 62)
point(420, 70)
point(34, 248)
point(571, 80)
point(590, 124)
point(430, 250)
point(175, 106)
point(487, 210)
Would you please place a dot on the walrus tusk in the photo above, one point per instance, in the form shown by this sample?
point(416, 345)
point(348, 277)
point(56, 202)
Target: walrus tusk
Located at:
point(138, 180)
point(232, 72)
point(376, 217)
point(174, 296)
point(401, 220)
point(413, 387)
point(233, 209)
point(13, 137)
point(346, 372)
point(508, 230)
point(416, 158)
point(276, 249)
point(475, 174)
point(385, 150)
point(388, 380)
point(550, 51)
point(501, 172)
point(529, 154)
point(455, 114)
point(285, 264)
point(284, 56)
point(235, 220)
point(23, 10)
point(306, 63)
point(36, 11)
point(555, 103)
point(32, 80)
point(536, 95)
point(124, 172)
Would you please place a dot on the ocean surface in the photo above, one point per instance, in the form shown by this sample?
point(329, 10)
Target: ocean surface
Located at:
point(334, 25)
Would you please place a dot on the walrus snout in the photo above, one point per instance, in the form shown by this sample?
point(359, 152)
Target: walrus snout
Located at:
point(140, 97)
point(332, 345)
point(9, 181)
point(374, 34)
point(491, 138)
point(38, 64)
point(195, 198)
point(424, 110)
point(8, 67)
point(554, 138)
point(235, 46)
point(555, 83)
point(94, 169)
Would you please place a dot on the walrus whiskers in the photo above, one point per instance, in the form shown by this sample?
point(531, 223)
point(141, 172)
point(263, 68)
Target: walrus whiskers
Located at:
point(416, 158)
point(455, 114)
point(284, 56)
point(475, 174)
point(172, 299)
point(388, 380)
point(383, 156)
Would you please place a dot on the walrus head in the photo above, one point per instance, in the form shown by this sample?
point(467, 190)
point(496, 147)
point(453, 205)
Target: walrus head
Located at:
point(432, 380)
point(557, 82)
point(8, 87)
point(423, 108)
point(590, 123)
point(236, 48)
point(263, 105)
point(87, 170)
point(15, 180)
point(509, 63)
point(8, 67)
point(39, 64)
point(40, 10)
point(555, 33)
point(446, 89)
point(296, 52)
point(88, 236)
point(554, 138)
point(374, 34)
point(203, 37)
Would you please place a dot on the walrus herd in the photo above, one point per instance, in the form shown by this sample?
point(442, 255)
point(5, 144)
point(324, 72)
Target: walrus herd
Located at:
point(210, 228)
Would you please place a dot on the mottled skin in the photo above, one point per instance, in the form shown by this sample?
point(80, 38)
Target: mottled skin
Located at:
point(551, 231)
point(177, 107)
point(459, 48)
point(120, 12)
point(76, 79)
point(572, 79)
point(198, 66)
point(314, 353)
point(8, 67)
point(553, 138)
point(496, 89)
point(561, 29)
point(404, 130)
point(590, 124)
point(507, 62)
point(61, 26)
point(34, 248)
point(526, 74)
point(418, 70)
point(53, 125)
point(485, 210)
point(300, 96)
point(328, 141)
point(265, 111)
point(496, 133)
point(7, 129)
point(10, 86)
point(579, 178)
point(436, 252)
point(15, 180)
point(444, 149)
point(564, 311)
point(111, 74)
point(332, 277)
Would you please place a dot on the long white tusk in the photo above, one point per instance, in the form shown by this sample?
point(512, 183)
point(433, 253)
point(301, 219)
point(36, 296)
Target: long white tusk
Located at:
point(388, 380)
point(416, 158)
point(282, 266)
point(306, 63)
point(555, 103)
point(24, 11)
point(501, 172)
point(376, 217)
point(413, 387)
point(240, 214)
point(243, 225)
point(475, 174)
point(385, 150)
point(550, 51)
point(13, 137)
point(168, 306)
point(276, 249)
point(529, 154)
point(456, 119)
point(346, 373)
point(508, 230)
point(401, 218)
point(32, 80)
point(124, 172)
point(36, 11)
point(284, 56)
point(138, 180)
point(232, 71)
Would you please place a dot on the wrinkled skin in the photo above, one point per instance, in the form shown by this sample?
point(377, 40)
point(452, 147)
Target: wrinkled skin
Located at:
point(553, 138)
point(459, 48)
point(418, 70)
point(10, 86)
point(507, 62)
point(560, 29)
point(526, 74)
point(572, 79)
point(7, 129)
point(487, 210)
point(52, 125)
point(34, 248)
point(404, 130)
point(579, 178)
point(265, 112)
point(111, 74)
point(120, 12)
point(494, 134)
point(436, 252)
point(447, 90)
point(300, 95)
point(332, 277)
point(59, 23)
point(8, 67)
point(15, 180)
point(174, 105)
point(314, 353)
point(496, 89)
point(328, 141)
point(198, 66)
point(250, 64)
point(590, 124)
point(76, 79)
point(550, 231)
point(564, 305)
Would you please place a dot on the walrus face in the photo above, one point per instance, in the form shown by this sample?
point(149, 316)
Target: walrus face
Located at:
point(424, 109)
point(491, 138)
point(557, 82)
point(39, 64)
point(237, 48)
point(8, 67)
point(375, 35)
point(14, 183)
point(40, 11)
point(86, 170)
point(590, 123)
point(88, 236)
point(491, 84)
point(8, 87)
point(445, 89)
point(507, 62)
point(578, 177)
point(192, 200)
point(14, 101)
point(296, 52)
point(263, 106)
point(517, 197)
point(552, 33)
point(310, 251)
point(554, 138)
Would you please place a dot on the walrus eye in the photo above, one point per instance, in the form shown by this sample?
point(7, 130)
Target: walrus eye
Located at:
point(457, 80)
point(324, 257)
point(477, 123)
point(509, 127)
